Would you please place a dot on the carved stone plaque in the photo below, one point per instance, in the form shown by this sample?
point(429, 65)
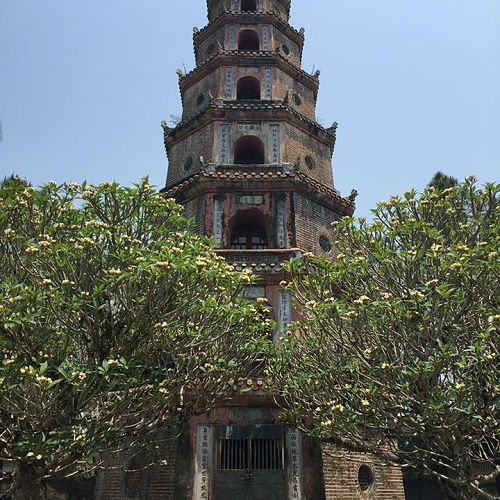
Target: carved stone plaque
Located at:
point(203, 464)
point(218, 228)
point(281, 222)
point(268, 83)
point(232, 37)
point(224, 144)
point(254, 292)
point(265, 37)
point(294, 452)
point(275, 138)
point(244, 199)
point(228, 86)
point(249, 127)
point(284, 312)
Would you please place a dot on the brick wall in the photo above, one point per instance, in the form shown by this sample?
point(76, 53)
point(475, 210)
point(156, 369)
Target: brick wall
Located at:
point(153, 483)
point(277, 7)
point(299, 145)
point(295, 51)
point(209, 46)
point(199, 143)
point(340, 470)
point(204, 87)
point(196, 211)
point(311, 221)
point(283, 83)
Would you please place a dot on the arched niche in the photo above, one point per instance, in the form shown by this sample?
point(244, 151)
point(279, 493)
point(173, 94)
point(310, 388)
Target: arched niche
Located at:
point(248, 40)
point(248, 5)
point(249, 231)
point(249, 150)
point(248, 88)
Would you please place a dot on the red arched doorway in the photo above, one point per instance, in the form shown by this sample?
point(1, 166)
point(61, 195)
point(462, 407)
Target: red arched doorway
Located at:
point(248, 231)
point(248, 88)
point(248, 40)
point(248, 5)
point(249, 150)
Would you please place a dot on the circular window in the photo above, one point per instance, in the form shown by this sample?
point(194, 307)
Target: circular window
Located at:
point(210, 49)
point(200, 99)
point(189, 163)
point(310, 163)
point(365, 477)
point(286, 49)
point(297, 99)
point(325, 244)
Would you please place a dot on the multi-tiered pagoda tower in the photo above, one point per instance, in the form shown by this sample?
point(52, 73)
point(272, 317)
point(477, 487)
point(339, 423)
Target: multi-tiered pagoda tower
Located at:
point(253, 168)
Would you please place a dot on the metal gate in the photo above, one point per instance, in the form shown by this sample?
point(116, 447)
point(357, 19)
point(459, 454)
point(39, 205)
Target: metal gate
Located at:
point(250, 463)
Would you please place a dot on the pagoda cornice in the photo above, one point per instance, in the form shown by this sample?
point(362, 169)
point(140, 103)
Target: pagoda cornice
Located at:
point(286, 3)
point(258, 177)
point(245, 57)
point(254, 110)
point(231, 16)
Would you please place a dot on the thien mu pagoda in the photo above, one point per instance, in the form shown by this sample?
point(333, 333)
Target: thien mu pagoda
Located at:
point(253, 169)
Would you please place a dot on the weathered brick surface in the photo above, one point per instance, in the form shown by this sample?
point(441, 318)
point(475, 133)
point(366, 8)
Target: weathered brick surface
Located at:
point(299, 145)
point(312, 221)
point(219, 6)
point(206, 86)
point(340, 470)
point(199, 143)
point(288, 48)
point(116, 482)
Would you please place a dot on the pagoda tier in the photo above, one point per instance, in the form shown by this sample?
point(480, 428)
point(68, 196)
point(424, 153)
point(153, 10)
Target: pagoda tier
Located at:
point(216, 8)
point(228, 32)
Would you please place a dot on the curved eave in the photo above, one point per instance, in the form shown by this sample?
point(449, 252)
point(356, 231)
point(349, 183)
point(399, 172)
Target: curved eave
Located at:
point(243, 58)
point(264, 110)
point(286, 3)
point(231, 16)
point(237, 180)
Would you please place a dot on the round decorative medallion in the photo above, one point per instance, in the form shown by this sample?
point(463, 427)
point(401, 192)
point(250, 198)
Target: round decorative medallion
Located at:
point(297, 99)
point(365, 478)
point(189, 163)
point(310, 163)
point(286, 49)
point(325, 244)
point(210, 49)
point(200, 99)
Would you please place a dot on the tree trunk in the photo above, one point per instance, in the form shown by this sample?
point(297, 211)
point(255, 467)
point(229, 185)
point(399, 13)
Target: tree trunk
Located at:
point(27, 483)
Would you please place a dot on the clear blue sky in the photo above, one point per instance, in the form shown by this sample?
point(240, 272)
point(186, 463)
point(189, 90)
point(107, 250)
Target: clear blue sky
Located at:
point(414, 84)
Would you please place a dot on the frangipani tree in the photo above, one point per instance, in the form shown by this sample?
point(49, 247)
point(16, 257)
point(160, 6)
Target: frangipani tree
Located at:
point(114, 319)
point(399, 351)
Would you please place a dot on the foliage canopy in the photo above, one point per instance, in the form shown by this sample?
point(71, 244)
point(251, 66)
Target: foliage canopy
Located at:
point(114, 319)
point(398, 353)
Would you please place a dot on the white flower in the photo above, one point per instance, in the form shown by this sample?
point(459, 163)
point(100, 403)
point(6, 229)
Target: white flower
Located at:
point(362, 301)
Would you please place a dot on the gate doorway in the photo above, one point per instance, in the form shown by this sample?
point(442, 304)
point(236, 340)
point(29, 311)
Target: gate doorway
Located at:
point(250, 463)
